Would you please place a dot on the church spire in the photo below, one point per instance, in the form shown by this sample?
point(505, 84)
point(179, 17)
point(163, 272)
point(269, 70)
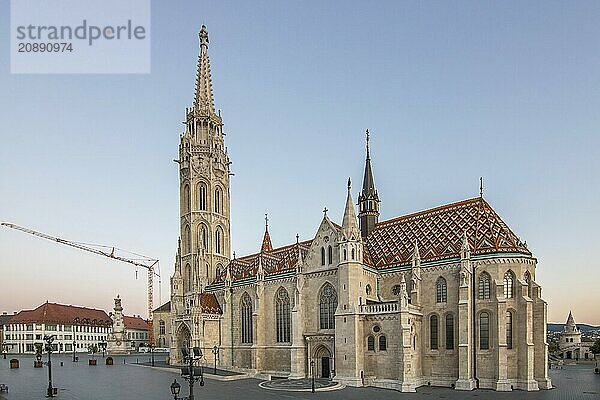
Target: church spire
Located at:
point(204, 103)
point(349, 225)
point(368, 200)
point(266, 243)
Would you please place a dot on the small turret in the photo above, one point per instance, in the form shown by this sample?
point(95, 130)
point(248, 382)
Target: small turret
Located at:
point(368, 200)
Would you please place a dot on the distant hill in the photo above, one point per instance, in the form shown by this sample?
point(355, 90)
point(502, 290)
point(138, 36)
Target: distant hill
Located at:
point(583, 327)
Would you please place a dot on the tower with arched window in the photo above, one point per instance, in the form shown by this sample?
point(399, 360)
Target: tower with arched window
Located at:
point(204, 215)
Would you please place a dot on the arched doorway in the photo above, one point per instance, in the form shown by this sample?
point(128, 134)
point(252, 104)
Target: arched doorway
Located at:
point(183, 337)
point(323, 362)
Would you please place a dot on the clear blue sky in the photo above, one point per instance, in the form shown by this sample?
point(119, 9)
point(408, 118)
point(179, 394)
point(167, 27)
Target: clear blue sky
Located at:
point(450, 91)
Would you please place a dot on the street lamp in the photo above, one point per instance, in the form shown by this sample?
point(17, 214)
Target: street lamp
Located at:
point(74, 343)
point(103, 347)
point(49, 339)
point(175, 388)
point(190, 373)
point(312, 373)
point(215, 351)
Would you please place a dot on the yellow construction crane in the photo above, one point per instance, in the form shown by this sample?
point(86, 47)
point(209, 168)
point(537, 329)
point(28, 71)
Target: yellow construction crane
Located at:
point(150, 264)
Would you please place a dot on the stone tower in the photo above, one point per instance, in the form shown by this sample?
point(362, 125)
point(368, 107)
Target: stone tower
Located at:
point(368, 200)
point(204, 185)
point(348, 336)
point(204, 213)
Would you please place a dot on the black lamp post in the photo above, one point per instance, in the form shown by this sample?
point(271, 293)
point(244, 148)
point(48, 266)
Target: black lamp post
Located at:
point(49, 339)
point(312, 373)
point(74, 343)
point(103, 347)
point(215, 351)
point(190, 373)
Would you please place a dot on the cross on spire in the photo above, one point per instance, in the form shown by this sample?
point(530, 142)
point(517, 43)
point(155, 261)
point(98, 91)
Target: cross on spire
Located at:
point(266, 220)
point(481, 186)
point(325, 211)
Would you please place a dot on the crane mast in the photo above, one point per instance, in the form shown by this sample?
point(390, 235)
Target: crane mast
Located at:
point(108, 251)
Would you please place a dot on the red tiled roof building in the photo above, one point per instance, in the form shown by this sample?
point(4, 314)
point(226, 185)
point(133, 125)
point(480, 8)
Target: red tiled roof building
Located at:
point(81, 327)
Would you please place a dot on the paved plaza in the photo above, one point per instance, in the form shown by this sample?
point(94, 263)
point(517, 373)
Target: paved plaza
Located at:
point(130, 381)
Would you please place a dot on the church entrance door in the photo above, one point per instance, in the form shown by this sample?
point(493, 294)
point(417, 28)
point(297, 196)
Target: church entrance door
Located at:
point(324, 367)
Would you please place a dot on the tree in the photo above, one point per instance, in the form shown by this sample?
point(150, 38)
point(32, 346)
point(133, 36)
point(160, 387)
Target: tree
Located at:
point(92, 348)
point(595, 349)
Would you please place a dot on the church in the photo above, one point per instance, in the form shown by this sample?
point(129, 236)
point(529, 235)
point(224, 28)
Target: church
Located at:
point(445, 296)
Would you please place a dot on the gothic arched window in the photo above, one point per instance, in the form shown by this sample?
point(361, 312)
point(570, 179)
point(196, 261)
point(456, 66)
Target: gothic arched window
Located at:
point(246, 309)
point(328, 304)
point(187, 240)
point(382, 343)
point(484, 331)
point(353, 254)
point(345, 254)
point(185, 199)
point(527, 278)
point(329, 255)
point(509, 285)
point(202, 197)
point(509, 330)
point(484, 286)
point(449, 331)
point(204, 237)
point(282, 315)
point(322, 255)
point(218, 241)
point(441, 290)
point(162, 327)
point(188, 278)
point(433, 332)
point(218, 200)
point(218, 270)
point(370, 343)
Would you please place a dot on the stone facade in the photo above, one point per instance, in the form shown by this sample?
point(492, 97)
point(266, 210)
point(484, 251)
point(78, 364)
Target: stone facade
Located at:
point(445, 297)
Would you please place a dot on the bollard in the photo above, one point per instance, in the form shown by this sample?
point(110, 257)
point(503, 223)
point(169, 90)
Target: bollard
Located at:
point(61, 363)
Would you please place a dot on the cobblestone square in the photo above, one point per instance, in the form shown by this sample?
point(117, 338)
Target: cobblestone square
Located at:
point(130, 381)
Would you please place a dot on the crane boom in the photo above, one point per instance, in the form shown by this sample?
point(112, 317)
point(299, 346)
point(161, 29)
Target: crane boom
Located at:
point(142, 261)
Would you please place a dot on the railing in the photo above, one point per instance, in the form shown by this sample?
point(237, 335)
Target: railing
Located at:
point(380, 308)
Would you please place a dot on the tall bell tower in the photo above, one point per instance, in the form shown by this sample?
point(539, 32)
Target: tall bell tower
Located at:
point(204, 173)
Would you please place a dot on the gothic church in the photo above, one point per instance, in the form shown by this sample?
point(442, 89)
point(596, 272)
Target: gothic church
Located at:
point(445, 296)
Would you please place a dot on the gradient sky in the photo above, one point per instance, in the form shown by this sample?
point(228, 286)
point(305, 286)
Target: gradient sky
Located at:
point(450, 91)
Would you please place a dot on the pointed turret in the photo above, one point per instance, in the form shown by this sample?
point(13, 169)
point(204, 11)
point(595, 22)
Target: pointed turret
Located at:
point(349, 225)
point(266, 243)
point(204, 103)
point(368, 200)
point(465, 248)
point(570, 326)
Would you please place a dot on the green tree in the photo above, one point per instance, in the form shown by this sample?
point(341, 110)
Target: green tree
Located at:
point(595, 349)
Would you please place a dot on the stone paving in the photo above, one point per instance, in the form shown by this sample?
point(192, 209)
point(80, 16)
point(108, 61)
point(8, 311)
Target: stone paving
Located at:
point(136, 382)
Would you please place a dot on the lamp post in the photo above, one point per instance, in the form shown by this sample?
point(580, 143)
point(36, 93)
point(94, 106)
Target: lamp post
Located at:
point(49, 339)
point(215, 351)
point(152, 353)
point(190, 373)
point(103, 347)
point(74, 343)
point(312, 373)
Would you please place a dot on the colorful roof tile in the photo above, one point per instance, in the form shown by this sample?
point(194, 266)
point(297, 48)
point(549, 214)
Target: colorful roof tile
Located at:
point(439, 233)
point(209, 304)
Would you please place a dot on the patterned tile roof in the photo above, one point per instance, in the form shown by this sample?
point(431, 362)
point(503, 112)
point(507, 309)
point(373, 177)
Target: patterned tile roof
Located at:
point(281, 259)
point(439, 232)
point(135, 322)
point(62, 314)
point(209, 304)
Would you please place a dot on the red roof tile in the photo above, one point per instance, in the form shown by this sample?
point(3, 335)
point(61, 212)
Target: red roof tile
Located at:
point(209, 304)
point(135, 323)
point(62, 314)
